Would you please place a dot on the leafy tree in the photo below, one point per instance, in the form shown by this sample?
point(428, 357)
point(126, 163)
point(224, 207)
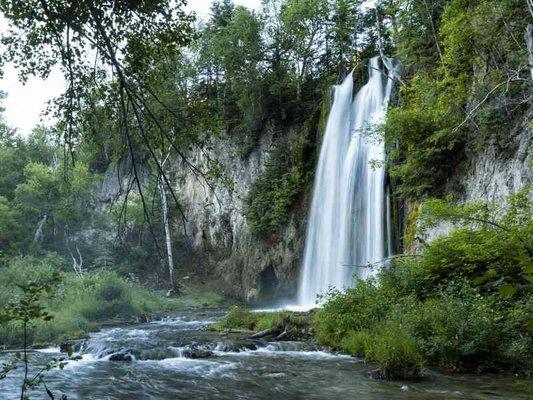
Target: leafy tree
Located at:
point(128, 37)
point(10, 232)
point(303, 20)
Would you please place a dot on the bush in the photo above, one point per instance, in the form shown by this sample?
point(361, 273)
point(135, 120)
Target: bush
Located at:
point(396, 352)
point(357, 343)
point(100, 295)
point(463, 304)
point(358, 308)
point(458, 333)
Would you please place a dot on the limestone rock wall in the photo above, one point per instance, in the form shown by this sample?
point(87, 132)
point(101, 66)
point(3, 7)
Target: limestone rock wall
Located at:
point(216, 229)
point(495, 171)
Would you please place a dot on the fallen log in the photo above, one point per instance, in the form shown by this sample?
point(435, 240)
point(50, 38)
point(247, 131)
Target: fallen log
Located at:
point(270, 331)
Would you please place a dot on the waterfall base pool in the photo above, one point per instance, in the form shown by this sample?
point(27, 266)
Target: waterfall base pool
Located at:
point(160, 367)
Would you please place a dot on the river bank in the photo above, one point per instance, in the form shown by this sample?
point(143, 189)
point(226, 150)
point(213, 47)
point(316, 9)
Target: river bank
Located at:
point(177, 357)
point(80, 304)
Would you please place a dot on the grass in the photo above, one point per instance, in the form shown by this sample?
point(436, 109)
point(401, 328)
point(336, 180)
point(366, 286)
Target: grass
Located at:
point(240, 318)
point(80, 304)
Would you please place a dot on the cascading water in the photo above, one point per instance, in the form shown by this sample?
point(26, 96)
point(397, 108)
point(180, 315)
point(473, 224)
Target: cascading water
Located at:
point(347, 221)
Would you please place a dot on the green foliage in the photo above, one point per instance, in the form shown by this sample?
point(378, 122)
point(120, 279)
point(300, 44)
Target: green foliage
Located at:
point(357, 309)
point(463, 303)
point(272, 194)
point(80, 303)
point(396, 352)
point(356, 343)
point(133, 36)
point(241, 318)
point(286, 175)
point(493, 247)
point(23, 311)
point(42, 202)
point(237, 318)
point(458, 57)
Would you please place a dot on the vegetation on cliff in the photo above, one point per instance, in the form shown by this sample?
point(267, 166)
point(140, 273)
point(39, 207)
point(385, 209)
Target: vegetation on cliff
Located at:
point(466, 84)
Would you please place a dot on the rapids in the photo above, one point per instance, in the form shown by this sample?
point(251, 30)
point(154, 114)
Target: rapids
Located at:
point(236, 368)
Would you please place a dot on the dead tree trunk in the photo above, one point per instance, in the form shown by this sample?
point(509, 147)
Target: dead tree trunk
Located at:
point(77, 263)
point(528, 37)
point(168, 237)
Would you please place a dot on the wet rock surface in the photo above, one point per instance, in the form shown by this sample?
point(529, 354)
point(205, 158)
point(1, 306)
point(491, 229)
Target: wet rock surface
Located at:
point(124, 355)
point(196, 352)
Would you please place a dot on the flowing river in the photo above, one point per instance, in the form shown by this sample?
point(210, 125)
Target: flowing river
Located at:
point(153, 361)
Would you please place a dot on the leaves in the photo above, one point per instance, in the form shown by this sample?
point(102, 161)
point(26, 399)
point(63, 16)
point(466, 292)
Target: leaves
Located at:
point(443, 45)
point(507, 290)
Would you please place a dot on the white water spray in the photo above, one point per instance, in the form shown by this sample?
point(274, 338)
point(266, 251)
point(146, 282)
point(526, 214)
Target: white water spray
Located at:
point(347, 221)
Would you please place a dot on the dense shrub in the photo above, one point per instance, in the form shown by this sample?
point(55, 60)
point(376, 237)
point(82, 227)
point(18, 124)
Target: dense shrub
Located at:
point(356, 309)
point(464, 303)
point(396, 351)
point(357, 342)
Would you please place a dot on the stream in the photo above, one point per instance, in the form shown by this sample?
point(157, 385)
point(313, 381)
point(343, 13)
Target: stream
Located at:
point(154, 361)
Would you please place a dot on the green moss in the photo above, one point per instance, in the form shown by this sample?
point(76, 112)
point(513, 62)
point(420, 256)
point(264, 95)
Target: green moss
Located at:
point(411, 228)
point(325, 106)
point(237, 318)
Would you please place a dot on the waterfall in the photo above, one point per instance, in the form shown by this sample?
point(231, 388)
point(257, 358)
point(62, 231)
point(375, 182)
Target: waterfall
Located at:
point(347, 225)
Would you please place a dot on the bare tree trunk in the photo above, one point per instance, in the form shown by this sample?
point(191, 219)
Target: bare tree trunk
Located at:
point(77, 265)
point(528, 37)
point(39, 229)
point(380, 39)
point(80, 263)
point(168, 238)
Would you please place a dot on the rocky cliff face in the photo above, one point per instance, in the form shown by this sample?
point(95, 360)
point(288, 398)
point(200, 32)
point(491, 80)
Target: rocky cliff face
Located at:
point(219, 236)
point(495, 171)
point(492, 176)
point(253, 269)
point(215, 242)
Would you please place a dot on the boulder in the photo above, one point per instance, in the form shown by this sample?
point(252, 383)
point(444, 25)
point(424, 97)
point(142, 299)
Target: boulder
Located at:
point(196, 353)
point(126, 355)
